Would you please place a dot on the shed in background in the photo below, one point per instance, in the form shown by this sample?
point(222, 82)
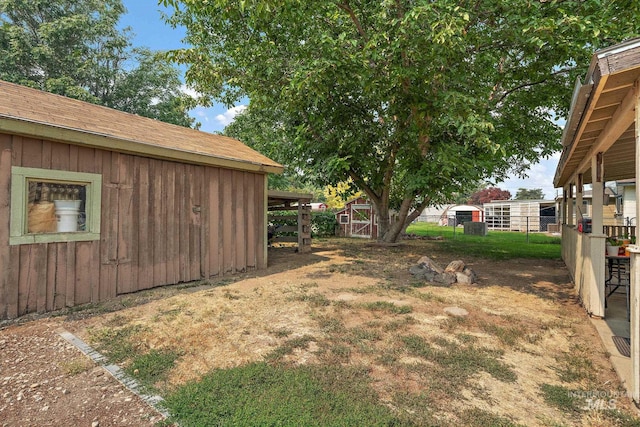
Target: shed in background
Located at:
point(358, 219)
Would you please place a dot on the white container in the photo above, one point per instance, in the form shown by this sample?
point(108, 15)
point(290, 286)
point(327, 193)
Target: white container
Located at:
point(612, 250)
point(67, 215)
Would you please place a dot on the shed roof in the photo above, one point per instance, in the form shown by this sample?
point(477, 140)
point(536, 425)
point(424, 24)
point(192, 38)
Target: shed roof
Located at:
point(34, 113)
point(601, 119)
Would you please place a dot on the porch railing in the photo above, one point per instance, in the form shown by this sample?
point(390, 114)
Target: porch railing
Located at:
point(621, 231)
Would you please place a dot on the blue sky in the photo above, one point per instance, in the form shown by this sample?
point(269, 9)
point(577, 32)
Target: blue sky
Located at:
point(144, 18)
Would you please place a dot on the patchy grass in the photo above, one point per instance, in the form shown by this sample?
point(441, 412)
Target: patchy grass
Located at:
point(508, 335)
point(117, 343)
point(458, 362)
point(268, 395)
point(387, 307)
point(562, 398)
point(289, 346)
point(76, 366)
point(575, 366)
point(152, 367)
point(280, 350)
point(479, 418)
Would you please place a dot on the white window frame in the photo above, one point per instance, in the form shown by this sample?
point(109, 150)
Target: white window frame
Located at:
point(20, 177)
point(344, 219)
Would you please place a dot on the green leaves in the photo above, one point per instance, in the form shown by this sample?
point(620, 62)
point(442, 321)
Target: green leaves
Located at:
point(412, 100)
point(74, 48)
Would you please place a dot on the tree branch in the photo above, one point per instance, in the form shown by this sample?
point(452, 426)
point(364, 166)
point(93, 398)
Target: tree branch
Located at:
point(529, 84)
point(347, 8)
point(362, 184)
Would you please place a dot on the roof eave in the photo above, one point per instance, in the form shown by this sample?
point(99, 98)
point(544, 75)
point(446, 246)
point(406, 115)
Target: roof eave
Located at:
point(106, 142)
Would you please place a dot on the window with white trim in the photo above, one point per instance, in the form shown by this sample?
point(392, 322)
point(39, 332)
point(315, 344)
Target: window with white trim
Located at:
point(54, 206)
point(344, 219)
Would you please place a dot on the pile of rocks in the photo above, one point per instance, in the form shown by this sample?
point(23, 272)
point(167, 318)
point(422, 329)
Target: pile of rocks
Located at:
point(455, 272)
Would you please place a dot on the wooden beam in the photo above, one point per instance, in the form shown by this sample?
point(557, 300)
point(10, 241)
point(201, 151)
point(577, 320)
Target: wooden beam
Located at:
point(619, 123)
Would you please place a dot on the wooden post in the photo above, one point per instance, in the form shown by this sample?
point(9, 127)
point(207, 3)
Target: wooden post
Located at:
point(304, 226)
point(635, 272)
point(570, 206)
point(596, 247)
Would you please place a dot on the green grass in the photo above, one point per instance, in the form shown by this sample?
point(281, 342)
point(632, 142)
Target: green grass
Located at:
point(117, 344)
point(457, 362)
point(477, 417)
point(289, 346)
point(152, 367)
point(260, 394)
point(561, 397)
point(387, 307)
point(496, 245)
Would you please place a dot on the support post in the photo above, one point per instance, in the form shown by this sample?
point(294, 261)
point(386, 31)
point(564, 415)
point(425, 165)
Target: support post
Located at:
point(596, 247)
point(570, 205)
point(634, 303)
point(304, 226)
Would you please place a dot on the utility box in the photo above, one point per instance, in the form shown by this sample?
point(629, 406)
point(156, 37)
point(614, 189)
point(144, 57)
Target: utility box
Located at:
point(584, 226)
point(475, 228)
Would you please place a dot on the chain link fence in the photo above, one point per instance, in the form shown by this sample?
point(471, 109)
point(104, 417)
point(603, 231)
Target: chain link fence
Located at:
point(532, 223)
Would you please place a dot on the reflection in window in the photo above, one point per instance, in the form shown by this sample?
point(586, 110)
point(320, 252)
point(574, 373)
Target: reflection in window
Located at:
point(56, 207)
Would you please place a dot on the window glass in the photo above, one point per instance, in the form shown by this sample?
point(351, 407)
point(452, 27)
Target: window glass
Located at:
point(54, 206)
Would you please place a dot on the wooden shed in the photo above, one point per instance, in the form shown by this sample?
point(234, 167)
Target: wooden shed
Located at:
point(358, 219)
point(148, 203)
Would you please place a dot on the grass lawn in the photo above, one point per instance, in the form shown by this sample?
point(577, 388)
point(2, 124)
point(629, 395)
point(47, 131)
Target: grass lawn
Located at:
point(345, 336)
point(495, 245)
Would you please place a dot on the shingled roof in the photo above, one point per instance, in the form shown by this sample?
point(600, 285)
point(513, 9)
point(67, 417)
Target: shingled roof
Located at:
point(34, 113)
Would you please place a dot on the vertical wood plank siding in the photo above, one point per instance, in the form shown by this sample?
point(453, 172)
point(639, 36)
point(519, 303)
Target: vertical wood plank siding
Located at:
point(162, 223)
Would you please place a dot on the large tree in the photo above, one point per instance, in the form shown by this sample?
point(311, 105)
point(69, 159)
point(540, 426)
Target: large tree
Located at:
point(489, 194)
point(75, 48)
point(412, 100)
point(529, 194)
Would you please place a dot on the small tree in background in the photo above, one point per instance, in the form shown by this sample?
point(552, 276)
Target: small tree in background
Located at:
point(489, 194)
point(529, 194)
point(336, 196)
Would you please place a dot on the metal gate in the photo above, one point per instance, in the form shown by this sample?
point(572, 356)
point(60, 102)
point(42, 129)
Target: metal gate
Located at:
point(361, 221)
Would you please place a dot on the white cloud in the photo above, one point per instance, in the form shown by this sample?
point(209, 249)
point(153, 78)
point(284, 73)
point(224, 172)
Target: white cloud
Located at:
point(189, 91)
point(540, 175)
point(228, 116)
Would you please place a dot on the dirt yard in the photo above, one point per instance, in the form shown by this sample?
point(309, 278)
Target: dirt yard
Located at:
point(522, 311)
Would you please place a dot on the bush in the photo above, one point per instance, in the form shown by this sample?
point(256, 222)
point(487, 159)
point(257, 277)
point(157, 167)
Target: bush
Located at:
point(323, 224)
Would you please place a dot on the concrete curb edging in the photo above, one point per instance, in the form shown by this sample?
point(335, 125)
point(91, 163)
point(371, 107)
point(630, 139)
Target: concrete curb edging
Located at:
point(115, 371)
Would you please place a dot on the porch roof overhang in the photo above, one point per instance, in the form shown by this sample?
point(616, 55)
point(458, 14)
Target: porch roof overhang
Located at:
point(287, 198)
point(602, 116)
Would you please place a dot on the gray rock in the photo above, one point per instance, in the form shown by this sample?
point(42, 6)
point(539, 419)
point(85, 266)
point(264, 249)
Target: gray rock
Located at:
point(456, 311)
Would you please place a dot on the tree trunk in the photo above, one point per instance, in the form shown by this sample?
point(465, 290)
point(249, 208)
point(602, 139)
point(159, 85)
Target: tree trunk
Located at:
point(389, 232)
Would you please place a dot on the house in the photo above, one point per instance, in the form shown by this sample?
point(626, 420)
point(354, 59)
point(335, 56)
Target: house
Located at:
point(147, 203)
point(626, 207)
point(601, 142)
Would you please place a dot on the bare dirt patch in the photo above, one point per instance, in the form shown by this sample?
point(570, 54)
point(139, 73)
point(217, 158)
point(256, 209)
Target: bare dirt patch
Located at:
point(354, 304)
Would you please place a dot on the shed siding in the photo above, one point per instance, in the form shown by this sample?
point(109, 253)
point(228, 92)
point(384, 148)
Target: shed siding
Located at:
point(163, 222)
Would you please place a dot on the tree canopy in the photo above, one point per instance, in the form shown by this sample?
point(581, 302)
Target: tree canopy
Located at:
point(413, 101)
point(74, 48)
point(529, 194)
point(489, 194)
